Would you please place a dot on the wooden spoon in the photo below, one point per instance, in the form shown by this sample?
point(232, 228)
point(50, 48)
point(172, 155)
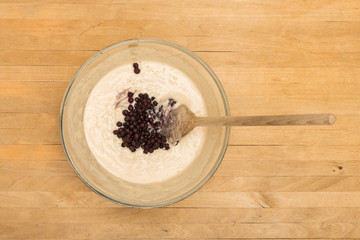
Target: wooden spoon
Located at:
point(181, 121)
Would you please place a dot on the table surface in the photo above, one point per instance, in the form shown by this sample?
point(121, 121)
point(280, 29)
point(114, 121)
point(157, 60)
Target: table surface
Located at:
point(272, 57)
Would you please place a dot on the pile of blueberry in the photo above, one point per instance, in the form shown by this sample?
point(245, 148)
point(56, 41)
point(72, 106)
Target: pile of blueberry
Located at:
point(142, 124)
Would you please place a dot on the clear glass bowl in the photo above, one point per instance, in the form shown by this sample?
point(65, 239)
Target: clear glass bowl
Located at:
point(91, 171)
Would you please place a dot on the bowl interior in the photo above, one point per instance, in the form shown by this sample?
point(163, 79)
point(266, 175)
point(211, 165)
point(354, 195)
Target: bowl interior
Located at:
point(91, 171)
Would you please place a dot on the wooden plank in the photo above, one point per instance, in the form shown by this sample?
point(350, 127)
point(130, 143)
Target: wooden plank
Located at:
point(181, 215)
point(196, 39)
point(128, 23)
point(163, 230)
point(282, 59)
point(336, 9)
point(69, 182)
point(296, 136)
point(33, 152)
point(37, 73)
point(30, 136)
point(259, 168)
point(214, 59)
point(78, 9)
point(56, 183)
point(53, 199)
point(36, 168)
point(29, 120)
point(270, 200)
point(33, 90)
point(220, 183)
point(44, 58)
point(294, 153)
point(268, 106)
point(289, 83)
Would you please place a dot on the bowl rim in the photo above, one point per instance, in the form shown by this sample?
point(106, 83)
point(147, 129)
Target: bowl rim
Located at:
point(153, 41)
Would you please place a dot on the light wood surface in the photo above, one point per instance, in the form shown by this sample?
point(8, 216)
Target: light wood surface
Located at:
point(272, 57)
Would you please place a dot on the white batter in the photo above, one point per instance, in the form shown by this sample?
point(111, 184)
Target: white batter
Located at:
point(100, 117)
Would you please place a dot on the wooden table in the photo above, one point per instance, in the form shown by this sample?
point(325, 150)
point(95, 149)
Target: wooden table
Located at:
point(272, 57)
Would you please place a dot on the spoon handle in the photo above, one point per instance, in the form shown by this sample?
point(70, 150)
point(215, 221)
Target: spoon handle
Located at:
point(270, 120)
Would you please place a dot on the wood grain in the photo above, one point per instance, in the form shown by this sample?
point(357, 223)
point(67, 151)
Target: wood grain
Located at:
point(272, 58)
point(166, 230)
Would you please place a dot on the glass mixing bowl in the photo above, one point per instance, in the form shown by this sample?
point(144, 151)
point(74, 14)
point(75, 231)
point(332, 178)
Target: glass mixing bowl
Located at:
point(112, 187)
